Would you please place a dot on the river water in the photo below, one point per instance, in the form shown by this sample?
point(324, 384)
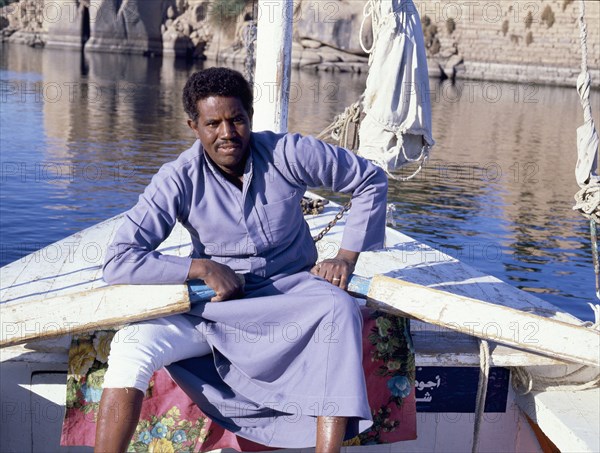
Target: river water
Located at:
point(81, 136)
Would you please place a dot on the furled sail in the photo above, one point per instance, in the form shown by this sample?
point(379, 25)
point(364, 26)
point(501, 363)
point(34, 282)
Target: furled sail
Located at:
point(587, 199)
point(587, 138)
point(396, 129)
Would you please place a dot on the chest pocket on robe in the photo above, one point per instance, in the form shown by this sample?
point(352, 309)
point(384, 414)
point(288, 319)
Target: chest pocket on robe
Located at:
point(284, 218)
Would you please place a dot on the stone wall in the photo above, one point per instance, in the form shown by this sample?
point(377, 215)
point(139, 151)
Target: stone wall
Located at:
point(510, 40)
point(529, 41)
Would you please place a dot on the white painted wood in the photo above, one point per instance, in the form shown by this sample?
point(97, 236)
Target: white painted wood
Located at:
point(398, 258)
point(486, 320)
point(47, 391)
point(431, 349)
point(60, 290)
point(91, 310)
point(273, 62)
point(569, 419)
point(456, 349)
point(71, 264)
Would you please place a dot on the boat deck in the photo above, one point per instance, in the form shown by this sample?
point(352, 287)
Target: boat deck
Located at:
point(34, 374)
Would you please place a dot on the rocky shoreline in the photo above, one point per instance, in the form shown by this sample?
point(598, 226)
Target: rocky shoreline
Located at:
point(181, 28)
point(326, 34)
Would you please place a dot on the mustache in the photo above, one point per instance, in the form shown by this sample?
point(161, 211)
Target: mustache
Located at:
point(233, 141)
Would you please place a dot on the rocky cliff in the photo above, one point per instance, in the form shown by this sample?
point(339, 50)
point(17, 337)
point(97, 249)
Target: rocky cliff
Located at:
point(24, 22)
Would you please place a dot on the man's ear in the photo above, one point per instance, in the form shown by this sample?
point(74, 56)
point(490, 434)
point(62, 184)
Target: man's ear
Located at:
point(250, 115)
point(193, 125)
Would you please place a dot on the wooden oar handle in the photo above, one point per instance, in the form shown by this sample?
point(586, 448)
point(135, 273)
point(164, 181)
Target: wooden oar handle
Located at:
point(201, 292)
point(359, 286)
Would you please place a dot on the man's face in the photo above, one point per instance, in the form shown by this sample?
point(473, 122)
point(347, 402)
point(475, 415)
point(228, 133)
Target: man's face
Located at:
point(223, 128)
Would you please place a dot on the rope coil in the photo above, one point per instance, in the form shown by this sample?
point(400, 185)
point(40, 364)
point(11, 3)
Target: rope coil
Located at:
point(312, 206)
point(339, 129)
point(587, 202)
point(422, 159)
point(368, 11)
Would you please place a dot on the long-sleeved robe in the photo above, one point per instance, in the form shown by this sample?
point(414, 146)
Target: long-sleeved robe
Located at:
point(289, 350)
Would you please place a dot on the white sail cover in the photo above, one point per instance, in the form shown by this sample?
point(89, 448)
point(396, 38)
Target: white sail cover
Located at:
point(587, 137)
point(397, 127)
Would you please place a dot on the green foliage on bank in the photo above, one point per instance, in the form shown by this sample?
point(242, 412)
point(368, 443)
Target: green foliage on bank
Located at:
point(225, 12)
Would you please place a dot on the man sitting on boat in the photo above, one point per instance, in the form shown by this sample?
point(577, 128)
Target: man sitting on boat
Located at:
point(238, 194)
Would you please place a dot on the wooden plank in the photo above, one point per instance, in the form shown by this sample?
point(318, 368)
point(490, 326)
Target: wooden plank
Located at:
point(85, 311)
point(455, 349)
point(569, 418)
point(72, 265)
point(74, 276)
point(447, 348)
point(98, 308)
point(486, 320)
point(431, 349)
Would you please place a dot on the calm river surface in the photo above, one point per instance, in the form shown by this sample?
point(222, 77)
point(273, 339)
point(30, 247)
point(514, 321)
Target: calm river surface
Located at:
point(82, 136)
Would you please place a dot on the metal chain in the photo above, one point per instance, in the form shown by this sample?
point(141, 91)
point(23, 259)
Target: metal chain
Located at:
point(331, 224)
point(312, 206)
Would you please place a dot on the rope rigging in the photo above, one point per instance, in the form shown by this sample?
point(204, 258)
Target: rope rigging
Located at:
point(587, 200)
point(484, 375)
point(339, 129)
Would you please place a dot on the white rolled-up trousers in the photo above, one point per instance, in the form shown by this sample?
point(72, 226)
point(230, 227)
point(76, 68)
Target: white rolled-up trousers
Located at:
point(140, 349)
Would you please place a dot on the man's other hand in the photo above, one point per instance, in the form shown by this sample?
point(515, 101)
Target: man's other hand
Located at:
point(219, 277)
point(338, 270)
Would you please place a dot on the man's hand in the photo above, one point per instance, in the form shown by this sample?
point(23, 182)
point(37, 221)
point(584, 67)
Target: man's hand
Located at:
point(220, 278)
point(337, 270)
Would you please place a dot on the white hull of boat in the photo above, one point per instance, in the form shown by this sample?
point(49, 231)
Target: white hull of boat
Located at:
point(33, 406)
point(33, 376)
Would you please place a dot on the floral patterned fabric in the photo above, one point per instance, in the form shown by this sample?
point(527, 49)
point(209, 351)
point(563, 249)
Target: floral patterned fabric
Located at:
point(171, 422)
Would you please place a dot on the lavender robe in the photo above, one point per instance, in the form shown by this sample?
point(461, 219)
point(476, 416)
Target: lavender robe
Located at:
point(290, 350)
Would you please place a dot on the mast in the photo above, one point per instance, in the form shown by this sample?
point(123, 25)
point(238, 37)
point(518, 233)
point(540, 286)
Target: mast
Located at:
point(273, 65)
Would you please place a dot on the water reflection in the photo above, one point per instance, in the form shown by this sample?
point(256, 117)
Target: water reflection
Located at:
point(500, 191)
point(79, 146)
